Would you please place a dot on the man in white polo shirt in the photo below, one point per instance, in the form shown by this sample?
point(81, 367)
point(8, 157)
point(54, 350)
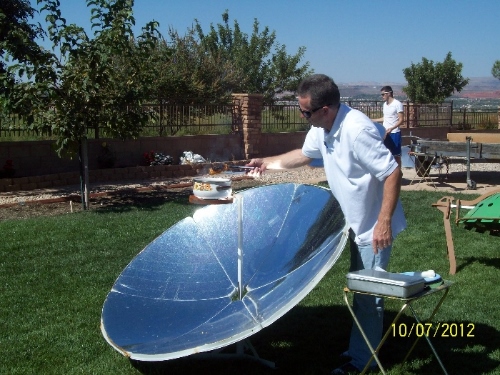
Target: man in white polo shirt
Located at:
point(365, 179)
point(392, 120)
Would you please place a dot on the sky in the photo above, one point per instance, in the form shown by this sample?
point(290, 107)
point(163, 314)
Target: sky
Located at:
point(352, 41)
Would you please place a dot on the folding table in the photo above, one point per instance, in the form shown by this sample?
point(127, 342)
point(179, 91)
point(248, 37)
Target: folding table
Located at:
point(423, 164)
point(407, 303)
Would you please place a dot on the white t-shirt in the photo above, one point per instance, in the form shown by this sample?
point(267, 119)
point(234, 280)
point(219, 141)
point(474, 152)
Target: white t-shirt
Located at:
point(391, 114)
point(356, 165)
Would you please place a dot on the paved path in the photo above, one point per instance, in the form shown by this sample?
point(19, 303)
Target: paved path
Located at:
point(486, 177)
point(453, 182)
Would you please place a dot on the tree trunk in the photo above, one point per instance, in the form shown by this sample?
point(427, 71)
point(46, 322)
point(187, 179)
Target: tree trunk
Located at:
point(84, 173)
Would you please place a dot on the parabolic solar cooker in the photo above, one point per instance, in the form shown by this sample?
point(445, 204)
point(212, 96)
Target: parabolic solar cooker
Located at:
point(218, 277)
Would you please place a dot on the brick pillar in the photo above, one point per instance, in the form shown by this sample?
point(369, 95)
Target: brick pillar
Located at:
point(498, 117)
point(411, 115)
point(249, 116)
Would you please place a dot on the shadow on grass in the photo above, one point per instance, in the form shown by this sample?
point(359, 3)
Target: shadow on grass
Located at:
point(490, 262)
point(308, 340)
point(458, 176)
point(126, 200)
point(129, 200)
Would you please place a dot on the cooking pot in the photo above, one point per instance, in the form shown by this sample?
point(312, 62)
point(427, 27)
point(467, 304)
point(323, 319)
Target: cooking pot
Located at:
point(419, 149)
point(212, 187)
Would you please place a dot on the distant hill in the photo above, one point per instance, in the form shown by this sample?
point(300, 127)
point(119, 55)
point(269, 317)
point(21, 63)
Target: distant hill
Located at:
point(481, 87)
point(483, 84)
point(478, 87)
point(368, 89)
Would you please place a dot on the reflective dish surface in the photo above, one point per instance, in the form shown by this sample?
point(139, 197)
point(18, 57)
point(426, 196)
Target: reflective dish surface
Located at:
point(180, 295)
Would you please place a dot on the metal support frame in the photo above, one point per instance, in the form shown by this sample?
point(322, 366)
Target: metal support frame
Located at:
point(239, 353)
point(406, 304)
point(245, 344)
point(470, 184)
point(425, 171)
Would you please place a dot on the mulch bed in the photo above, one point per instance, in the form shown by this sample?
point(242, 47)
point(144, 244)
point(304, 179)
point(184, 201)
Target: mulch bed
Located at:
point(137, 197)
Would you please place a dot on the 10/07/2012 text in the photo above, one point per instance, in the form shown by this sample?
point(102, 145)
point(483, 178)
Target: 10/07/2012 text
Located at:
point(433, 329)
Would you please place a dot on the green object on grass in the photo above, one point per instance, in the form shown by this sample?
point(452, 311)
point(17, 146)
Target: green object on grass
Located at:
point(485, 215)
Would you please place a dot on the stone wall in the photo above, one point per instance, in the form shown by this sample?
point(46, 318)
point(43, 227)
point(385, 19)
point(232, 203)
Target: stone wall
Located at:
point(269, 144)
point(278, 143)
point(35, 158)
point(438, 133)
point(38, 166)
point(110, 175)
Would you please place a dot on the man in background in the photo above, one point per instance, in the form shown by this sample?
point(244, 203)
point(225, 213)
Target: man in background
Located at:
point(392, 120)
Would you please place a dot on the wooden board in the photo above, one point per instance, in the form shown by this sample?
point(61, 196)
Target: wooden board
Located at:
point(476, 137)
point(195, 200)
point(479, 151)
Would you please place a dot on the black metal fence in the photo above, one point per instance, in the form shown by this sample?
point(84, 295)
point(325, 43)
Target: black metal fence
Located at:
point(173, 119)
point(466, 119)
point(422, 115)
point(427, 115)
point(282, 118)
point(13, 126)
point(371, 108)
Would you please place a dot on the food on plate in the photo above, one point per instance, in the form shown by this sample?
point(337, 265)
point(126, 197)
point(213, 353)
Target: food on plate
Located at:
point(202, 186)
point(235, 169)
point(216, 169)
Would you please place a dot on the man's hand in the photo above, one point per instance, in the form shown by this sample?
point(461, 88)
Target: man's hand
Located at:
point(288, 160)
point(382, 236)
point(259, 165)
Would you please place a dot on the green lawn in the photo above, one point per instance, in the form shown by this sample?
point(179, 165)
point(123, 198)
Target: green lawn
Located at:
point(55, 273)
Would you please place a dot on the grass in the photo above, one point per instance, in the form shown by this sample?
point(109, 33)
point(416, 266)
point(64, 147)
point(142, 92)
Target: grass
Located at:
point(56, 273)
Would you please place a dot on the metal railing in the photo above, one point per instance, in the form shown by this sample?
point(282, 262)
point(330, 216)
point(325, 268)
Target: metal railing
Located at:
point(173, 119)
point(371, 108)
point(282, 118)
point(427, 115)
point(466, 119)
point(13, 126)
point(422, 115)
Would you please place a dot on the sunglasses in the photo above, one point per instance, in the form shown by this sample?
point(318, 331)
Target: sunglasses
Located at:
point(385, 93)
point(308, 114)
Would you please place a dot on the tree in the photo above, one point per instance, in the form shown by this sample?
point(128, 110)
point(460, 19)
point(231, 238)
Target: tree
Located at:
point(82, 83)
point(17, 35)
point(18, 43)
point(258, 64)
point(209, 67)
point(495, 70)
point(181, 71)
point(96, 83)
point(433, 83)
